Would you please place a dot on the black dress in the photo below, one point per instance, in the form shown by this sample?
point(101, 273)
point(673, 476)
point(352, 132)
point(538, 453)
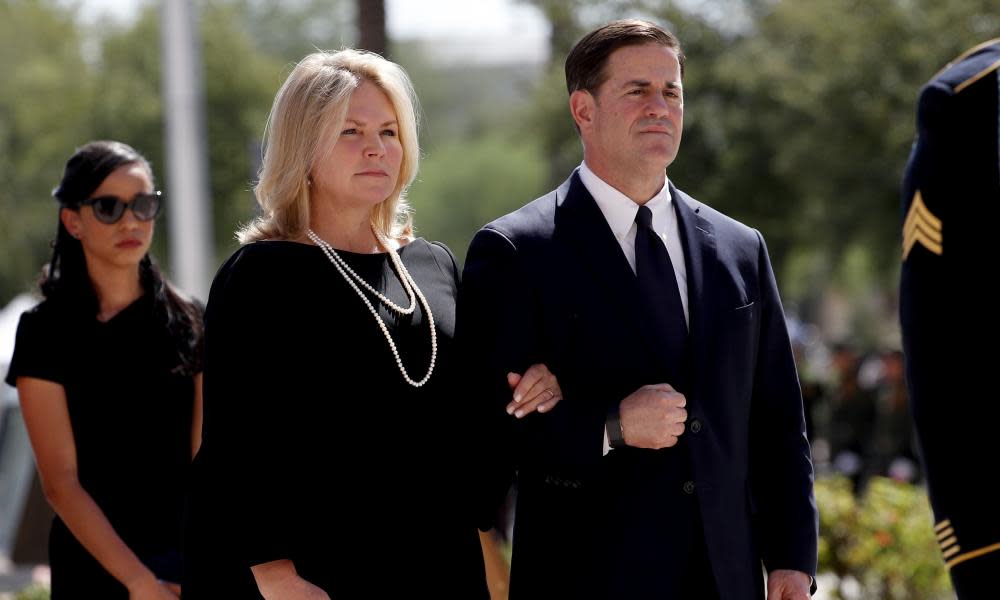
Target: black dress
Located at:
point(315, 449)
point(130, 406)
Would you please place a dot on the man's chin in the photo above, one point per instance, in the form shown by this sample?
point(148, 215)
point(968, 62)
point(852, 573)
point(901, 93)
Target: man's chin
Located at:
point(656, 159)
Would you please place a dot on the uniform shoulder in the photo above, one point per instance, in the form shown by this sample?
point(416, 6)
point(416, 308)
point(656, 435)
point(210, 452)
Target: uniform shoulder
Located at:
point(969, 67)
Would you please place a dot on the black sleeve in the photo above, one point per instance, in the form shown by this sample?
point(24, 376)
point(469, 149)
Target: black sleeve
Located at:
point(36, 349)
point(781, 465)
point(249, 422)
point(488, 317)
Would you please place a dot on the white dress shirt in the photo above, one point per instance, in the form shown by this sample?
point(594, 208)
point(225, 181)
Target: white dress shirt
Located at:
point(619, 211)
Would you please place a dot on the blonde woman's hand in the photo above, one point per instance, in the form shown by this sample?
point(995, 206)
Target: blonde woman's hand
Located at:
point(151, 588)
point(536, 390)
point(278, 580)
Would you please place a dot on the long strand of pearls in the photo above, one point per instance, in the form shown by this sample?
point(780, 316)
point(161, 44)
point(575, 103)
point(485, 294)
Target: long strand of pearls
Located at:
point(339, 261)
point(408, 284)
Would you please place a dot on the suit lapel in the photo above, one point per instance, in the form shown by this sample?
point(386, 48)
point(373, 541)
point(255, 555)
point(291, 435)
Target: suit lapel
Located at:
point(584, 228)
point(700, 257)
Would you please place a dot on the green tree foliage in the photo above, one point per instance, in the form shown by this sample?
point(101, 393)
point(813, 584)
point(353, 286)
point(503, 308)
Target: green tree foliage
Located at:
point(290, 29)
point(800, 117)
point(45, 100)
point(465, 184)
point(239, 82)
point(66, 82)
point(479, 162)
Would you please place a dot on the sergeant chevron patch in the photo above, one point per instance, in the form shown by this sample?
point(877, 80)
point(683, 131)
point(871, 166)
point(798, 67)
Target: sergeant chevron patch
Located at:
point(946, 535)
point(921, 227)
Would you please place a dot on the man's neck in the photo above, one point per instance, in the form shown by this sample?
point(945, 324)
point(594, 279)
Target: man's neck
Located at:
point(637, 185)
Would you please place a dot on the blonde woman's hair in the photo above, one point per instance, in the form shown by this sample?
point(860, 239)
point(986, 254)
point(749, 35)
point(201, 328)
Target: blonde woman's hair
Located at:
point(309, 107)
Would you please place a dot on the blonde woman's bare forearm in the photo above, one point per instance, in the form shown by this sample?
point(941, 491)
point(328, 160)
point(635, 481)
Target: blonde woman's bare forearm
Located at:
point(278, 580)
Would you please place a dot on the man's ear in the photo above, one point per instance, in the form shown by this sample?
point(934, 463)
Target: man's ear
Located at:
point(581, 106)
point(71, 221)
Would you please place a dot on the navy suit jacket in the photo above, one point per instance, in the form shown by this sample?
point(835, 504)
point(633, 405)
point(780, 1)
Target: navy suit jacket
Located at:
point(549, 284)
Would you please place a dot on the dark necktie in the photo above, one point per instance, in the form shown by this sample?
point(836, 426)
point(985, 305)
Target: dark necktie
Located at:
point(660, 297)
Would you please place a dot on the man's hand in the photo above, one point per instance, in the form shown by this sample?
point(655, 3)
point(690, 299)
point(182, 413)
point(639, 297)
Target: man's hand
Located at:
point(653, 416)
point(785, 584)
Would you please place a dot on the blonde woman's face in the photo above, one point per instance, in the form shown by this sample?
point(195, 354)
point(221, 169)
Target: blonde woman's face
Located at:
point(362, 167)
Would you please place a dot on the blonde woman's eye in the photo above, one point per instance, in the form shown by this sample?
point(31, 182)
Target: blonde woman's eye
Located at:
point(389, 132)
point(350, 131)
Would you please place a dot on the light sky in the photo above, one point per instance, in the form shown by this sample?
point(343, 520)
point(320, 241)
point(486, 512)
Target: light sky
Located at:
point(504, 29)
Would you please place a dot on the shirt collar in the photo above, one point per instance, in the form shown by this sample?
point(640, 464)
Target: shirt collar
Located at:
point(619, 210)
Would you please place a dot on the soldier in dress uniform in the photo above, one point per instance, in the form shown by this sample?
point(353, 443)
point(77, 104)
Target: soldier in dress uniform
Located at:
point(951, 195)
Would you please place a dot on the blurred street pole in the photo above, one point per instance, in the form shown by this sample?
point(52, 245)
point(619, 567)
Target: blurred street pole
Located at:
point(190, 218)
point(371, 26)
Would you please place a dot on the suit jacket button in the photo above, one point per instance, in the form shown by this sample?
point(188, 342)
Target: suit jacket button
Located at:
point(688, 487)
point(695, 426)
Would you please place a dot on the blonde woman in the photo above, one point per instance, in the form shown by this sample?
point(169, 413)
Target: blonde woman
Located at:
point(336, 431)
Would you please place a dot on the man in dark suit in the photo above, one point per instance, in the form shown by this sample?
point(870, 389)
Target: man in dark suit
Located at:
point(677, 463)
point(951, 197)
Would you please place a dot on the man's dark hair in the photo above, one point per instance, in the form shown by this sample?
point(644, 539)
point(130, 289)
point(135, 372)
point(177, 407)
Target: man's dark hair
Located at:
point(585, 63)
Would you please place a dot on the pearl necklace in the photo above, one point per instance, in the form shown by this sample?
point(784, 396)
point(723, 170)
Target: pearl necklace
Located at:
point(412, 291)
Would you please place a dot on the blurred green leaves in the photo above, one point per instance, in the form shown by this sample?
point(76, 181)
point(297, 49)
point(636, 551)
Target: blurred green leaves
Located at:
point(465, 184)
point(884, 540)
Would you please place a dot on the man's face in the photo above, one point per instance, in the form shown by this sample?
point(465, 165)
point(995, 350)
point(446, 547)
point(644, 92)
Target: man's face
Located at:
point(638, 112)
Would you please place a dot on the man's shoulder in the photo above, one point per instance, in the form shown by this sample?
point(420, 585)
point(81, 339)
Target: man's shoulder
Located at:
point(533, 218)
point(724, 226)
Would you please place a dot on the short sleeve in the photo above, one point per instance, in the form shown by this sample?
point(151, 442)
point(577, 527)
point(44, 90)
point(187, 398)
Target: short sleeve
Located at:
point(36, 349)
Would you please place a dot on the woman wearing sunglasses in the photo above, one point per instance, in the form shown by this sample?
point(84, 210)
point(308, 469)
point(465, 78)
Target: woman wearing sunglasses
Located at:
point(107, 370)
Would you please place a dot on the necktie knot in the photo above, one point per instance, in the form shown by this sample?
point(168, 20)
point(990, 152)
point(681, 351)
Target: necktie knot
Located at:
point(644, 217)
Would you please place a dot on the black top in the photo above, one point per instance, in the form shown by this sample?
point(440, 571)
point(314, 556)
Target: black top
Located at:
point(315, 449)
point(130, 407)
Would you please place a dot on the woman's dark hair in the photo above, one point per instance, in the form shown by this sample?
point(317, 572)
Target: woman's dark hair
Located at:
point(65, 279)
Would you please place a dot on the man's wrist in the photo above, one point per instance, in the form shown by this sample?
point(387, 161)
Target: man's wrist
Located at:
point(613, 425)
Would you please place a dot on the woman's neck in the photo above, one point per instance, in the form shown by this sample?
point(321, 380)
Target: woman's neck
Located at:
point(116, 288)
point(345, 230)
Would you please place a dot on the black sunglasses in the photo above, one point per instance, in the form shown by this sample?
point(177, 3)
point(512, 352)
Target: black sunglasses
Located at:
point(109, 209)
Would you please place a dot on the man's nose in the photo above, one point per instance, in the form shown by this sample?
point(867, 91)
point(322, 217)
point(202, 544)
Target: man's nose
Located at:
point(658, 106)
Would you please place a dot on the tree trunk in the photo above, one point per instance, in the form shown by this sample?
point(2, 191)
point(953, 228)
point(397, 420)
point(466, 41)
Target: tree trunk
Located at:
point(371, 26)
